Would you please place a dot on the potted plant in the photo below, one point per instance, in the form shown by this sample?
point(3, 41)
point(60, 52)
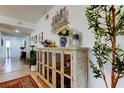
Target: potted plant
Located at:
point(32, 59)
point(32, 62)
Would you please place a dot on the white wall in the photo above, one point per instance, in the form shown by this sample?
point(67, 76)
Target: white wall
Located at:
point(77, 20)
point(79, 23)
point(15, 44)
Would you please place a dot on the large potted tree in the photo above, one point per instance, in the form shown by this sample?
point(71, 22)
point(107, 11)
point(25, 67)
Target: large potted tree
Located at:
point(107, 22)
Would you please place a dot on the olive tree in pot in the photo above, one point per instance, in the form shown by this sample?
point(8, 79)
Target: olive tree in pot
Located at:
point(107, 22)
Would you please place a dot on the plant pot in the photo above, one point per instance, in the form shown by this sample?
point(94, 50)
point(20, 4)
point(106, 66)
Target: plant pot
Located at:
point(63, 41)
point(33, 67)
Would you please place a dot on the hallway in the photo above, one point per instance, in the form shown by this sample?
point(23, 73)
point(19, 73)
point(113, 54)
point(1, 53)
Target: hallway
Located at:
point(12, 68)
point(11, 65)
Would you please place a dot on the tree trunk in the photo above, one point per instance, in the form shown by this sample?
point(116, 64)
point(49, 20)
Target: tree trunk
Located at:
point(113, 83)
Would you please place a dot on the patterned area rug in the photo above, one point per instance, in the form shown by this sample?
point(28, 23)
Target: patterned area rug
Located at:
point(22, 82)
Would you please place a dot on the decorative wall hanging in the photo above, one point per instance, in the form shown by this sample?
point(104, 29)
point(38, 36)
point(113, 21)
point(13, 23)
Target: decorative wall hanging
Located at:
point(32, 39)
point(25, 43)
point(35, 39)
point(2, 42)
point(41, 37)
point(60, 19)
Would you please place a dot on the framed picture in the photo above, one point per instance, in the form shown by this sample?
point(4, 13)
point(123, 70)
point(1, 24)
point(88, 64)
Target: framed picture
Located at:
point(2, 42)
point(32, 39)
point(41, 37)
point(35, 39)
point(25, 43)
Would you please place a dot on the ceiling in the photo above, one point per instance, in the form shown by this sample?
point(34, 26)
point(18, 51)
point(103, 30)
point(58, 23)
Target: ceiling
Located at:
point(29, 13)
point(11, 30)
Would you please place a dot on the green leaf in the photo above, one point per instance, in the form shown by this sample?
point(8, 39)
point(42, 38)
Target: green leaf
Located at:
point(100, 20)
point(120, 33)
point(95, 70)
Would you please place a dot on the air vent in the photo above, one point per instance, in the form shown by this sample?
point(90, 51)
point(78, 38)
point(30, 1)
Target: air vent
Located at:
point(46, 17)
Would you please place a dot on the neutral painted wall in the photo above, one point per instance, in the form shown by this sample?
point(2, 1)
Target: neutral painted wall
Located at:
point(15, 44)
point(78, 22)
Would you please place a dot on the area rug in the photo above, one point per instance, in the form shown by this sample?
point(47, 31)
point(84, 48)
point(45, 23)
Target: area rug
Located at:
point(22, 82)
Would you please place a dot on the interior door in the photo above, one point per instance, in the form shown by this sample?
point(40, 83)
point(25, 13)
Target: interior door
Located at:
point(7, 49)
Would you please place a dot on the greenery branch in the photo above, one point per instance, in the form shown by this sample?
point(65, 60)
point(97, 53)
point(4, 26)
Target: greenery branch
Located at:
point(107, 22)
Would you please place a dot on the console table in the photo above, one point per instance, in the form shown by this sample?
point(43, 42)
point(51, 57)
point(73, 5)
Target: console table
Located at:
point(63, 67)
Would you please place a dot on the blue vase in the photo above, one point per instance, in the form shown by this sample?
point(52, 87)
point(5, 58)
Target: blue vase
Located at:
point(63, 41)
point(45, 45)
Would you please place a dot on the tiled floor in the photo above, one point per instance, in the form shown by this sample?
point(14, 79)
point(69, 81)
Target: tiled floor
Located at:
point(12, 68)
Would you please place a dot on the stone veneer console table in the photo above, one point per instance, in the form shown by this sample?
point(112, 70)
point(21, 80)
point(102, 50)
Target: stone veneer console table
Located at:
point(63, 67)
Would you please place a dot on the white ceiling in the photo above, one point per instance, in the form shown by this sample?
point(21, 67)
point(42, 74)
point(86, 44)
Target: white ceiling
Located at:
point(29, 13)
point(11, 30)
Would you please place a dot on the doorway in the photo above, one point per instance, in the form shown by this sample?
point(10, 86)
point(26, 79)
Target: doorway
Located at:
point(7, 55)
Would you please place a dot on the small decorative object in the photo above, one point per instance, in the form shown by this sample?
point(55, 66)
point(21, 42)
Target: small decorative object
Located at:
point(64, 32)
point(32, 46)
point(22, 48)
point(46, 43)
point(75, 40)
point(63, 41)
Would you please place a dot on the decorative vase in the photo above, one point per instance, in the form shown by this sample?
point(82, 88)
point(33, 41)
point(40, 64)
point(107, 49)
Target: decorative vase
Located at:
point(45, 45)
point(63, 41)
